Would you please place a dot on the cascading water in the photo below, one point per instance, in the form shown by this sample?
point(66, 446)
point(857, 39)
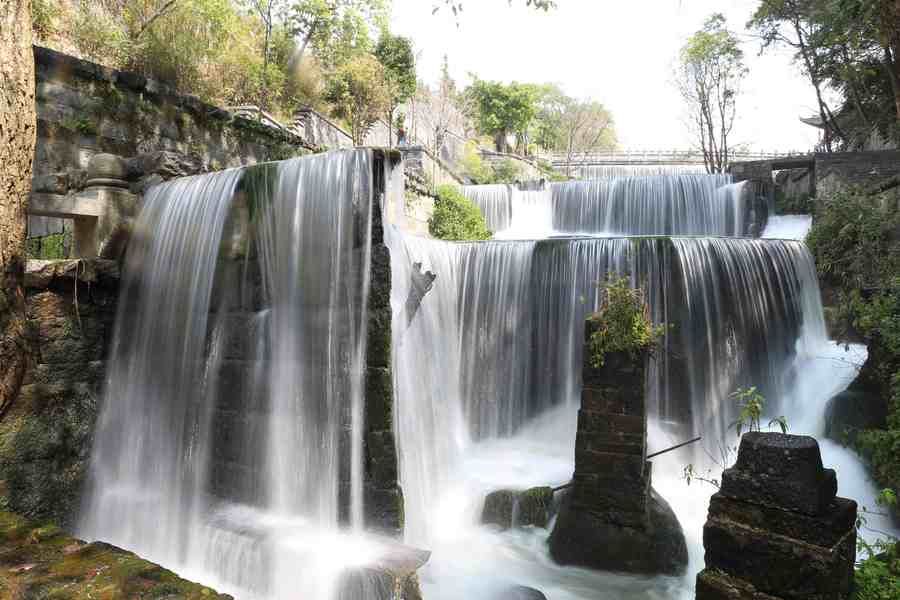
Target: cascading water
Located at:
point(677, 204)
point(236, 369)
point(488, 370)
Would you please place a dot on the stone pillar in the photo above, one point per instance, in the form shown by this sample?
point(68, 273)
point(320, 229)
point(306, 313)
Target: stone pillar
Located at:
point(383, 498)
point(105, 234)
point(612, 518)
point(776, 529)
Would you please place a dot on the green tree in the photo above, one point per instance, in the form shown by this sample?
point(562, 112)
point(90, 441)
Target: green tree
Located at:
point(395, 54)
point(711, 66)
point(359, 94)
point(500, 110)
point(336, 30)
point(585, 126)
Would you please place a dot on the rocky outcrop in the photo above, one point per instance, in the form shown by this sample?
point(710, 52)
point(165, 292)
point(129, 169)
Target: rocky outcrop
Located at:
point(391, 577)
point(507, 508)
point(853, 411)
point(613, 519)
point(46, 436)
point(40, 561)
point(776, 529)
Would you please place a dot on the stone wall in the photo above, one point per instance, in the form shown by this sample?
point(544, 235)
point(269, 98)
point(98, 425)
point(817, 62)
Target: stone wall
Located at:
point(868, 169)
point(46, 436)
point(318, 131)
point(530, 172)
point(84, 109)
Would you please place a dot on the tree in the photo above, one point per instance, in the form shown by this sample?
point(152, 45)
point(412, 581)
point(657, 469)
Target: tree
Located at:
point(848, 46)
point(711, 66)
point(359, 94)
point(457, 7)
point(269, 12)
point(585, 126)
point(395, 54)
point(336, 29)
point(792, 23)
point(17, 139)
point(500, 110)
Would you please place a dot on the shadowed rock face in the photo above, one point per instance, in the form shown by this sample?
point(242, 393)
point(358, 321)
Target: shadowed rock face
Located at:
point(776, 528)
point(506, 508)
point(613, 519)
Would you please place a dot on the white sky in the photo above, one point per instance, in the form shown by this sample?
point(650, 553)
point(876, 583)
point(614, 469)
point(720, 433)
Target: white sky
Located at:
point(620, 52)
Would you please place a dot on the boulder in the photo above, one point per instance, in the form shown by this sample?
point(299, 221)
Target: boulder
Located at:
point(587, 538)
point(507, 508)
point(521, 592)
point(853, 411)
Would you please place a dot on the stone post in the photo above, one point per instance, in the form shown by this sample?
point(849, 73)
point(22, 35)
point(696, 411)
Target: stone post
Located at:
point(776, 529)
point(104, 234)
point(613, 519)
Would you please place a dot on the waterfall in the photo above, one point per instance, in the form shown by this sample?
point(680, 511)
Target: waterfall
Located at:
point(495, 203)
point(234, 394)
point(674, 204)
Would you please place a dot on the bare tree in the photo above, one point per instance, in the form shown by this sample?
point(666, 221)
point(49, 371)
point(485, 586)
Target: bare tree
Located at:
point(17, 139)
point(585, 126)
point(709, 76)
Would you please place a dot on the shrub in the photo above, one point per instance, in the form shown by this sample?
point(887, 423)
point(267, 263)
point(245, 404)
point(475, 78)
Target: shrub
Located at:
point(455, 218)
point(878, 577)
point(473, 167)
point(507, 171)
point(623, 320)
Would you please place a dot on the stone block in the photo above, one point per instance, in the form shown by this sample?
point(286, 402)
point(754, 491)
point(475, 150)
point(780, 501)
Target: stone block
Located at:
point(713, 584)
point(613, 400)
point(610, 465)
point(807, 497)
point(826, 530)
point(779, 565)
point(379, 399)
point(794, 457)
point(595, 422)
point(381, 455)
point(498, 509)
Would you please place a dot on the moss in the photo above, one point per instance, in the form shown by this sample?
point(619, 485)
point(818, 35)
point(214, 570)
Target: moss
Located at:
point(60, 566)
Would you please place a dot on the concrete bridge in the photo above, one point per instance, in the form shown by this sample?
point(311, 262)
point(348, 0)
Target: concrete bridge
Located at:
point(661, 158)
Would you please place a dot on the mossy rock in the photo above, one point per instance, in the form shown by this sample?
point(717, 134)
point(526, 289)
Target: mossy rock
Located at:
point(40, 561)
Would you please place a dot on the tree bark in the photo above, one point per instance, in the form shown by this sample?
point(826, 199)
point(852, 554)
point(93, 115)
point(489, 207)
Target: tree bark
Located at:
point(17, 139)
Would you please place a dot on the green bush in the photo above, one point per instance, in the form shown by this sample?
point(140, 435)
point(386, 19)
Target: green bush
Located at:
point(49, 247)
point(455, 218)
point(623, 322)
point(473, 167)
point(878, 577)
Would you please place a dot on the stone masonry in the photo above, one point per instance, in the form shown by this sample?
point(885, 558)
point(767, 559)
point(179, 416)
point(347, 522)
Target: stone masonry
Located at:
point(776, 529)
point(612, 518)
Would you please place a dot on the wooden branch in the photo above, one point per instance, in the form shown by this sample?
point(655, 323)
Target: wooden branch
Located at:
point(162, 11)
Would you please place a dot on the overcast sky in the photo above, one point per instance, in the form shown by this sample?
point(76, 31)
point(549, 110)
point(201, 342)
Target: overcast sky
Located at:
point(620, 52)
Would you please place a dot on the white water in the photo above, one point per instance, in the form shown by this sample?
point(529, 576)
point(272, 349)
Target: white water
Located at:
point(236, 369)
point(788, 227)
point(733, 291)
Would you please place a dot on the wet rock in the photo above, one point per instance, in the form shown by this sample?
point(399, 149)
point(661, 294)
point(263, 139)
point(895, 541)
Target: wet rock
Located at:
point(40, 561)
point(507, 508)
point(853, 411)
point(393, 576)
point(776, 528)
point(520, 592)
point(498, 509)
point(592, 539)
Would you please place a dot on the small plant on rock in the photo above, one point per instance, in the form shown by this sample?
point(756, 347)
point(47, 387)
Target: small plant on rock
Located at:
point(623, 322)
point(751, 403)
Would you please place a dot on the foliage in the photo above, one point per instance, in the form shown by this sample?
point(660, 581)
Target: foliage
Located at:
point(473, 167)
point(336, 30)
point(623, 322)
point(456, 218)
point(751, 404)
point(359, 95)
point(500, 109)
point(507, 171)
point(395, 54)
point(49, 247)
point(854, 243)
point(710, 70)
point(878, 577)
point(848, 46)
point(43, 17)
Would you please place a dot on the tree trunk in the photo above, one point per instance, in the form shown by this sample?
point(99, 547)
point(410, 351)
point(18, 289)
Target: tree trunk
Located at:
point(17, 139)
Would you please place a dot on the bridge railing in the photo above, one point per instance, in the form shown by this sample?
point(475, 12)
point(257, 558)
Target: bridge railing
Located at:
point(659, 156)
